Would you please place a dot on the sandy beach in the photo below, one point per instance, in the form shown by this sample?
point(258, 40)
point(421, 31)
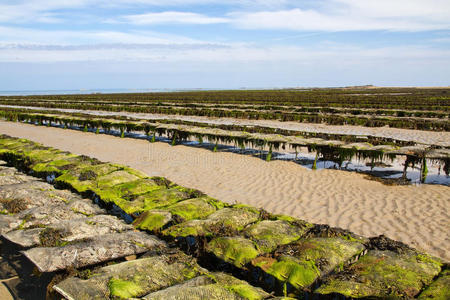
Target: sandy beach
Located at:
point(416, 215)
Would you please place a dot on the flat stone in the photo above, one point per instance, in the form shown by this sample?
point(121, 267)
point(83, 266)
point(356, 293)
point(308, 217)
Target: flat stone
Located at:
point(132, 279)
point(95, 251)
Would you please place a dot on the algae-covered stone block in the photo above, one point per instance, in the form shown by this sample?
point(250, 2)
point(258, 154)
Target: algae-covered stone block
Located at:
point(132, 279)
point(268, 235)
point(155, 199)
point(93, 251)
point(236, 250)
point(302, 262)
point(214, 286)
point(438, 289)
point(18, 197)
point(83, 177)
point(8, 143)
point(58, 164)
point(114, 178)
point(153, 220)
point(65, 231)
point(383, 274)
point(226, 221)
point(128, 190)
point(44, 155)
point(197, 208)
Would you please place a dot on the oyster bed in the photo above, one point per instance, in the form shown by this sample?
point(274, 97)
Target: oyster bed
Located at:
point(282, 255)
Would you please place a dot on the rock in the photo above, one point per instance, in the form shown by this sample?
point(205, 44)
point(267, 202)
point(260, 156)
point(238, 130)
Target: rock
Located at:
point(439, 289)
point(94, 251)
point(215, 286)
point(383, 274)
point(268, 235)
point(224, 222)
point(132, 279)
point(302, 262)
point(236, 250)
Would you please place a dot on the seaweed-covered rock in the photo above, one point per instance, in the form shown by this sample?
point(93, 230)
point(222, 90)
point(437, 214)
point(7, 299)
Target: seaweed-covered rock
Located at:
point(66, 231)
point(128, 190)
point(439, 289)
point(197, 208)
point(383, 274)
point(155, 199)
point(58, 164)
point(224, 222)
point(236, 250)
point(132, 279)
point(301, 263)
point(92, 251)
point(37, 193)
point(83, 177)
point(153, 220)
point(268, 235)
point(214, 286)
point(46, 208)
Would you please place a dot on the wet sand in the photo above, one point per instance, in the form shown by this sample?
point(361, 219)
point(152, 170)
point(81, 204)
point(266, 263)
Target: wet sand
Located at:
point(416, 215)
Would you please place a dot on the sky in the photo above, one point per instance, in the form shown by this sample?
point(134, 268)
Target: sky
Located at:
point(140, 44)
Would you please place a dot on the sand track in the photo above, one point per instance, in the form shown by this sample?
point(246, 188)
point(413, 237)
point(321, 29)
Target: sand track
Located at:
point(417, 215)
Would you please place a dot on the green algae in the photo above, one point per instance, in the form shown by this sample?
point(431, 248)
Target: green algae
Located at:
point(240, 287)
point(245, 291)
point(152, 220)
point(114, 178)
point(268, 235)
point(57, 165)
point(299, 274)
point(214, 286)
point(83, 176)
point(134, 279)
point(235, 250)
point(383, 274)
point(197, 208)
point(224, 222)
point(155, 199)
point(302, 262)
point(127, 190)
point(124, 289)
point(438, 289)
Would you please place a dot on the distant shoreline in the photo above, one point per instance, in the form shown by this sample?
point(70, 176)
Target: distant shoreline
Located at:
point(171, 90)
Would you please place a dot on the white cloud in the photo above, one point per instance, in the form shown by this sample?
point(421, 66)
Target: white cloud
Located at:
point(333, 54)
point(353, 15)
point(172, 17)
point(14, 35)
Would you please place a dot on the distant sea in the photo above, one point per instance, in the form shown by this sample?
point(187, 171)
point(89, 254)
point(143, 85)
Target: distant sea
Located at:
point(95, 91)
point(116, 91)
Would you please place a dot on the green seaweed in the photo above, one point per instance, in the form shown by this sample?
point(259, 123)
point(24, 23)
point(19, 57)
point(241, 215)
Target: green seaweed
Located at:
point(155, 199)
point(268, 235)
point(152, 220)
point(124, 289)
point(197, 208)
point(299, 274)
point(302, 262)
point(384, 274)
point(439, 289)
point(235, 250)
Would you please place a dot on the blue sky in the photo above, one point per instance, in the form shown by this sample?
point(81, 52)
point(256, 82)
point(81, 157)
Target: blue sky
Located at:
point(92, 44)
